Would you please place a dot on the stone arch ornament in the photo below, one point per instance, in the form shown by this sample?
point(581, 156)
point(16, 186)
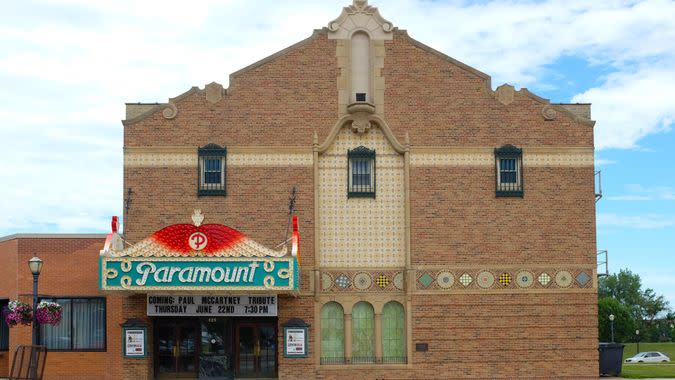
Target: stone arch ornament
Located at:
point(361, 122)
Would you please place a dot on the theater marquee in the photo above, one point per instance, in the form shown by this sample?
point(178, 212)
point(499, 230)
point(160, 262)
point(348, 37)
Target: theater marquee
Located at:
point(197, 257)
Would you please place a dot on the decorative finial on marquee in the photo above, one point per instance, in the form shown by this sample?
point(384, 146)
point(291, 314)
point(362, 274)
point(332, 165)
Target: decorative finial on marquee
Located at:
point(197, 218)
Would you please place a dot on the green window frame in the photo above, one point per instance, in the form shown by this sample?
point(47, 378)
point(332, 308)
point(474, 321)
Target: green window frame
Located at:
point(361, 173)
point(509, 171)
point(393, 333)
point(332, 334)
point(212, 170)
point(363, 333)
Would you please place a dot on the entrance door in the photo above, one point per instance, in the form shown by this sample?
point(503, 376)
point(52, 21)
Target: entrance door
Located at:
point(176, 349)
point(257, 350)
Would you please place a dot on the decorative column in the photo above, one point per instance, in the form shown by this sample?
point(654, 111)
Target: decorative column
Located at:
point(378, 338)
point(348, 338)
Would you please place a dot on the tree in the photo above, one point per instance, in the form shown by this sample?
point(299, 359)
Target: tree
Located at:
point(624, 324)
point(626, 287)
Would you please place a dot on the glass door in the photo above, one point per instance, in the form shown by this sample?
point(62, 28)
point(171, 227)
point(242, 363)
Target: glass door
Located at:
point(256, 350)
point(176, 350)
point(215, 358)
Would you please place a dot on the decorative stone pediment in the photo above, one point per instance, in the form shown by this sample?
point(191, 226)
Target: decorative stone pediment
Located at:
point(360, 16)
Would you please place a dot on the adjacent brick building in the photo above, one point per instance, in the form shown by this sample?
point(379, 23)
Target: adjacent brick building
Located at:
point(447, 229)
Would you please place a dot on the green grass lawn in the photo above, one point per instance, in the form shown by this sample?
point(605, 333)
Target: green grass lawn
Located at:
point(644, 371)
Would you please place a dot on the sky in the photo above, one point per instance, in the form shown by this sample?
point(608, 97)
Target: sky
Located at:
point(68, 66)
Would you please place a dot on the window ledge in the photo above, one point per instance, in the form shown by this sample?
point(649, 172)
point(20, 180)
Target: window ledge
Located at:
point(361, 194)
point(342, 367)
point(513, 193)
point(202, 193)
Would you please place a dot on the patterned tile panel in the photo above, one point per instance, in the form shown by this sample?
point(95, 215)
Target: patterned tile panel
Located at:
point(495, 278)
point(361, 232)
point(362, 281)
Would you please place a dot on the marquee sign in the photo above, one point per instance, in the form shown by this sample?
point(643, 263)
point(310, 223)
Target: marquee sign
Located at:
point(197, 305)
point(197, 257)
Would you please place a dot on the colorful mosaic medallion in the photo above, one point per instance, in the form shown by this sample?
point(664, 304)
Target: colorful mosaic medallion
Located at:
point(426, 280)
point(563, 279)
point(342, 281)
point(524, 279)
point(362, 281)
point(544, 279)
point(326, 281)
point(382, 281)
point(465, 279)
point(505, 279)
point(583, 278)
point(485, 279)
point(445, 280)
point(398, 281)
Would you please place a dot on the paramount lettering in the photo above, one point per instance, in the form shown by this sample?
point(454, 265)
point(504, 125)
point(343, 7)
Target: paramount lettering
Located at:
point(195, 274)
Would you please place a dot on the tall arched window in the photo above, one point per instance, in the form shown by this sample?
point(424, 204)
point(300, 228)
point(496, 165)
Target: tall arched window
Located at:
point(363, 333)
point(332, 334)
point(393, 333)
point(360, 67)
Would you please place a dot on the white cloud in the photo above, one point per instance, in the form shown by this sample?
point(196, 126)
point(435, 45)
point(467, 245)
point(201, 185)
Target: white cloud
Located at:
point(67, 67)
point(650, 221)
point(632, 105)
point(636, 192)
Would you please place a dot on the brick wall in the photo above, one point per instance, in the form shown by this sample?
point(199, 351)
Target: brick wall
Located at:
point(70, 270)
point(456, 220)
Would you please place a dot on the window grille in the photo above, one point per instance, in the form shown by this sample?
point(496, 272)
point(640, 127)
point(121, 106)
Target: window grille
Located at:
point(361, 169)
point(212, 170)
point(509, 171)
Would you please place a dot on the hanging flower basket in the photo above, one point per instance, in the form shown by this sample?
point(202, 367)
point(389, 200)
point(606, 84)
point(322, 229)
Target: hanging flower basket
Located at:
point(49, 313)
point(17, 313)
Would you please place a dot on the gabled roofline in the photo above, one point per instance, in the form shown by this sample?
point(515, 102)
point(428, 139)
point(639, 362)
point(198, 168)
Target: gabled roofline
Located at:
point(558, 107)
point(51, 236)
point(279, 54)
point(462, 65)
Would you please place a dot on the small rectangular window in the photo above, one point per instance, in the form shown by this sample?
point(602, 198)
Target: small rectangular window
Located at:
point(212, 170)
point(509, 176)
point(82, 326)
point(4, 329)
point(361, 168)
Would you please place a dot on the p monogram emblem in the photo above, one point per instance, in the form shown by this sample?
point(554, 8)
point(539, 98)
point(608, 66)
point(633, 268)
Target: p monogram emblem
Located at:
point(198, 241)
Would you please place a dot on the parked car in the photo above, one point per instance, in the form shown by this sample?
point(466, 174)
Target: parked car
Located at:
point(648, 357)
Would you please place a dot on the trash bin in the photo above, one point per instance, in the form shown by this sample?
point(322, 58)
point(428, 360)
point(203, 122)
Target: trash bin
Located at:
point(611, 357)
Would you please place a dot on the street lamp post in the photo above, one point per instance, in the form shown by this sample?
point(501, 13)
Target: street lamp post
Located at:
point(611, 321)
point(637, 335)
point(35, 265)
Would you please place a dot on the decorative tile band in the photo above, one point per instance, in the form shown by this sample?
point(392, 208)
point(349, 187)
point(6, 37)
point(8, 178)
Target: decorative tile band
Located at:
point(362, 281)
point(182, 159)
point(487, 159)
point(496, 279)
point(233, 159)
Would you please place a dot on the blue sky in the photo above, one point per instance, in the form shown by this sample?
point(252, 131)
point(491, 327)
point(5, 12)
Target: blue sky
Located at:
point(68, 66)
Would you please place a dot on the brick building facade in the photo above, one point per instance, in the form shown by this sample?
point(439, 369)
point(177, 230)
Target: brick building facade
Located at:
point(447, 229)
